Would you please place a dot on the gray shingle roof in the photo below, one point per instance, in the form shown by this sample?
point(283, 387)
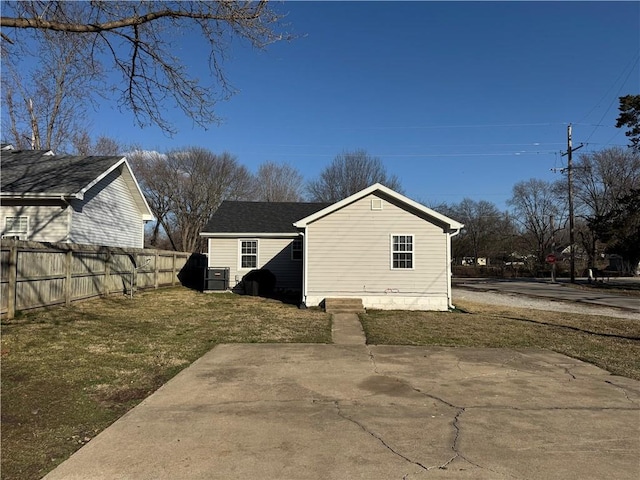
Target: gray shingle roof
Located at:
point(260, 217)
point(31, 171)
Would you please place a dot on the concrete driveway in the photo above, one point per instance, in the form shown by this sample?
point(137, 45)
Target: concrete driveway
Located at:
point(383, 412)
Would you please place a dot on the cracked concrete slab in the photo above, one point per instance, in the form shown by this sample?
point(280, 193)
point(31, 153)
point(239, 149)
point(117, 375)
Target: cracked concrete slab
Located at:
point(357, 411)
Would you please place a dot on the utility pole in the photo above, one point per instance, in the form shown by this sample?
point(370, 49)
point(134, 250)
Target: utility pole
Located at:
point(553, 249)
point(569, 151)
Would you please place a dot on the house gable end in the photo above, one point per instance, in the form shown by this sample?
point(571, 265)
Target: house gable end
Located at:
point(40, 174)
point(389, 195)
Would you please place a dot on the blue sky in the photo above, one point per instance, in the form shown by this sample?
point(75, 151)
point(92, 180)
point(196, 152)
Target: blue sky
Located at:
point(458, 99)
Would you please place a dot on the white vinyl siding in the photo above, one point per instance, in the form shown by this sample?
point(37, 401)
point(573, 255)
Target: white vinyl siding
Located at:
point(274, 254)
point(108, 215)
point(349, 253)
point(47, 223)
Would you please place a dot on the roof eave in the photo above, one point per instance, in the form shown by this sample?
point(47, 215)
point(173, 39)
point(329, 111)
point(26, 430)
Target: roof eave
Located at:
point(249, 234)
point(42, 196)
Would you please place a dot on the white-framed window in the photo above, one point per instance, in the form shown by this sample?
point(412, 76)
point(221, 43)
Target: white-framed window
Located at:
point(296, 249)
point(402, 252)
point(16, 226)
point(248, 254)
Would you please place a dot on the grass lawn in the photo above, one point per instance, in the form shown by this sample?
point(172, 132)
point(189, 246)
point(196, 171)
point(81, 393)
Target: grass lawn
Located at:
point(67, 373)
point(610, 343)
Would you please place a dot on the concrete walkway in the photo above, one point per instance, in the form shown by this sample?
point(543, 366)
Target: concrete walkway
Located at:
point(349, 411)
point(346, 329)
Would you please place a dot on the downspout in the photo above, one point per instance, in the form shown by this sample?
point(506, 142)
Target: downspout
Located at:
point(303, 303)
point(450, 235)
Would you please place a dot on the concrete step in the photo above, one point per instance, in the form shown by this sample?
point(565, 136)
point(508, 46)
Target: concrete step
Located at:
point(343, 305)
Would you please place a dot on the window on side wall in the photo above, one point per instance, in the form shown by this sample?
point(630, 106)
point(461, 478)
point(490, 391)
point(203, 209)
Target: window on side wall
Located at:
point(296, 249)
point(16, 227)
point(248, 254)
point(402, 249)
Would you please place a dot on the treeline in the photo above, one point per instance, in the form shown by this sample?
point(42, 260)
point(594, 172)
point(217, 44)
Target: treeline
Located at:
point(605, 190)
point(606, 195)
point(185, 187)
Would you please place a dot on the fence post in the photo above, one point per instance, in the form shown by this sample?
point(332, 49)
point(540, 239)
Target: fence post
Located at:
point(134, 272)
point(156, 271)
point(67, 282)
point(173, 276)
point(13, 281)
point(107, 273)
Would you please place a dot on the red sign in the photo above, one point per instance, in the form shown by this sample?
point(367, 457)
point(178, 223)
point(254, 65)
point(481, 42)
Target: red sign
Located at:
point(551, 258)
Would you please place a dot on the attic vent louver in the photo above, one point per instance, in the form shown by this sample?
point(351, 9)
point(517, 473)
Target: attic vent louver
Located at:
point(376, 204)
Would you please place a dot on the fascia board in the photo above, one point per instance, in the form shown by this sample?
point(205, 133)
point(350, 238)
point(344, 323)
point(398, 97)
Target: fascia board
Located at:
point(40, 196)
point(143, 199)
point(248, 235)
point(100, 177)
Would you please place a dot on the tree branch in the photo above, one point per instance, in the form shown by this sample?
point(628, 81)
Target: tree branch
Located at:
point(138, 39)
point(43, 24)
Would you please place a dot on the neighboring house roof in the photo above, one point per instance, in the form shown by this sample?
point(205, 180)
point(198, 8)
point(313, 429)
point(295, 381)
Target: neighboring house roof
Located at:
point(259, 217)
point(41, 174)
point(385, 191)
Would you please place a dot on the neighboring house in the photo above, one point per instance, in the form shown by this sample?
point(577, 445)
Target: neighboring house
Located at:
point(376, 245)
point(69, 199)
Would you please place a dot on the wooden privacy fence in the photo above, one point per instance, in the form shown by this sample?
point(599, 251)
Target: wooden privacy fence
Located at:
point(43, 274)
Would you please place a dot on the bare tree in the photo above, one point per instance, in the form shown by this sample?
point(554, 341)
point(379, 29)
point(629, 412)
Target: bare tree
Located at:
point(278, 183)
point(534, 202)
point(84, 145)
point(601, 180)
point(184, 187)
point(138, 41)
point(349, 173)
point(44, 102)
point(482, 224)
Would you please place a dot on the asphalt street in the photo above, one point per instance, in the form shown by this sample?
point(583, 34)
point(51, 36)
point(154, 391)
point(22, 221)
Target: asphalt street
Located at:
point(561, 291)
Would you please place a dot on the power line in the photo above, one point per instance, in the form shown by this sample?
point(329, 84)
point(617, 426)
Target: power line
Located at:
point(419, 155)
point(606, 94)
point(426, 127)
point(617, 95)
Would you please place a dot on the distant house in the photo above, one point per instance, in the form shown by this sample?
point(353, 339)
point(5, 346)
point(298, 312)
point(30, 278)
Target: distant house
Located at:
point(376, 245)
point(71, 199)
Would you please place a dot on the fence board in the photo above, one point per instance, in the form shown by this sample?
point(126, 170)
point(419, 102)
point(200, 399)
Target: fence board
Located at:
point(50, 274)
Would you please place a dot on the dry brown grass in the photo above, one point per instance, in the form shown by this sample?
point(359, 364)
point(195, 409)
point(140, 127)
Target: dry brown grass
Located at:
point(67, 373)
point(610, 343)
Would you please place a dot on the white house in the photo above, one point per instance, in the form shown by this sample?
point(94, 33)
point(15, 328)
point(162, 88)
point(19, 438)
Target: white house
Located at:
point(376, 245)
point(93, 200)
